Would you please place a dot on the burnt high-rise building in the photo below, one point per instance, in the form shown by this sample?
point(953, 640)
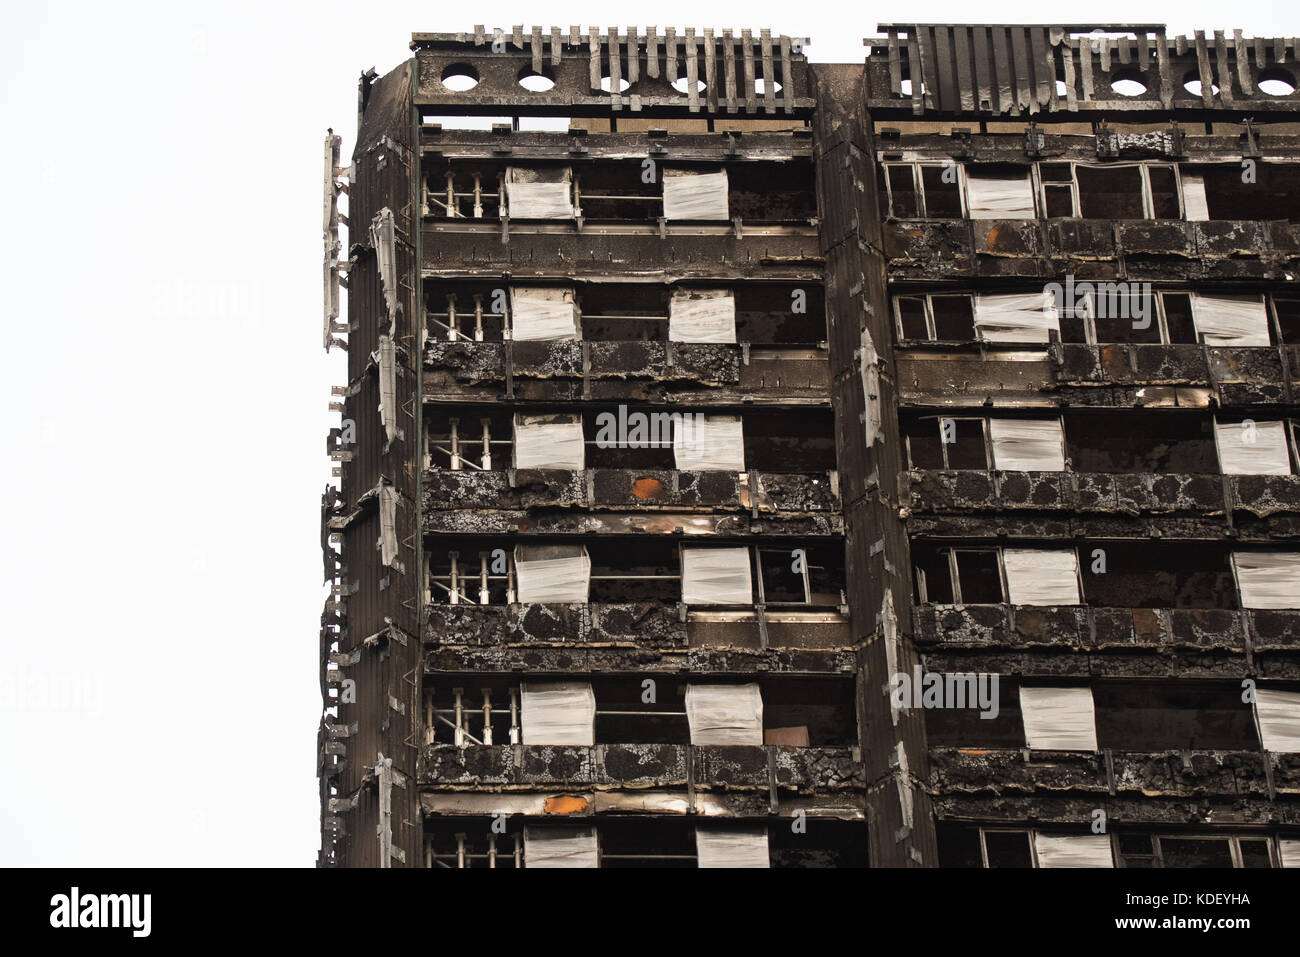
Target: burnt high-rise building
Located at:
point(748, 461)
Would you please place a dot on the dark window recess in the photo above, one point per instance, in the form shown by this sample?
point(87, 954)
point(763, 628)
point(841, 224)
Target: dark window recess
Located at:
point(902, 188)
point(978, 577)
point(1275, 193)
point(959, 846)
point(1164, 192)
point(966, 728)
point(1008, 849)
point(1196, 852)
point(1178, 317)
point(827, 844)
point(932, 563)
point(646, 842)
point(1124, 315)
point(1110, 192)
point(1136, 850)
point(1074, 318)
point(1058, 191)
point(1158, 575)
point(622, 717)
point(911, 313)
point(802, 442)
point(923, 446)
point(1288, 318)
point(1167, 716)
point(781, 584)
point(1254, 852)
point(1161, 441)
point(953, 318)
point(942, 200)
point(964, 443)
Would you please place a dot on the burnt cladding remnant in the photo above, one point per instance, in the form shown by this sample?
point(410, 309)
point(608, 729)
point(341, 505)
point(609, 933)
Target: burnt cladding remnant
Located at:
point(752, 462)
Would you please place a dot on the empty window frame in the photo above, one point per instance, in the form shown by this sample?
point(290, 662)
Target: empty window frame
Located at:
point(799, 575)
point(982, 576)
point(1110, 191)
point(941, 317)
point(1194, 850)
point(1016, 847)
point(947, 442)
point(923, 190)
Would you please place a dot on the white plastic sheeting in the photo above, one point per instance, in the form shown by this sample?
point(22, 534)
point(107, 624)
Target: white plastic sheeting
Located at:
point(552, 573)
point(388, 387)
point(560, 847)
point(1231, 320)
point(1058, 719)
point(1268, 579)
point(1081, 850)
point(1016, 317)
point(542, 313)
point(1290, 849)
point(716, 576)
point(557, 712)
point(718, 848)
point(999, 195)
point(539, 193)
point(1195, 207)
point(1041, 576)
point(1252, 448)
point(1028, 445)
point(383, 235)
point(549, 442)
point(695, 195)
point(702, 315)
point(1278, 714)
point(388, 525)
point(709, 443)
point(724, 714)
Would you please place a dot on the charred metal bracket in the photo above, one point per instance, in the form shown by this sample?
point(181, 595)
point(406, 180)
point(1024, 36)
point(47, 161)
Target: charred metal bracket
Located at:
point(1035, 140)
point(1249, 138)
point(961, 145)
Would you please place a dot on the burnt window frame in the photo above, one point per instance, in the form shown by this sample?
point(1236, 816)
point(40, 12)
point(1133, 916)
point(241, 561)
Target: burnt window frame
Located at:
point(927, 305)
point(1148, 199)
point(918, 185)
point(954, 577)
point(943, 446)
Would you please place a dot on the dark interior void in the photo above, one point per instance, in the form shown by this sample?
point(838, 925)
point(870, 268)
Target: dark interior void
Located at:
point(1274, 194)
point(472, 841)
point(1130, 715)
point(773, 192)
point(913, 185)
point(767, 313)
point(1140, 440)
point(797, 711)
point(944, 441)
point(1110, 192)
point(959, 846)
point(1158, 575)
point(821, 843)
point(1287, 310)
point(952, 316)
point(978, 578)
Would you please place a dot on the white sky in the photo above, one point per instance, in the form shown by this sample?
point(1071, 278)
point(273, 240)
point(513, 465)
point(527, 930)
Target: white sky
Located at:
point(170, 395)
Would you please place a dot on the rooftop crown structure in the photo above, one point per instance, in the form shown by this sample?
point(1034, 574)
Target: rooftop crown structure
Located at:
point(753, 462)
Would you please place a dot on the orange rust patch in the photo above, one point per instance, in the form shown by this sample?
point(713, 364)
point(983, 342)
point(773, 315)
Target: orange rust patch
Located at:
point(565, 804)
point(644, 488)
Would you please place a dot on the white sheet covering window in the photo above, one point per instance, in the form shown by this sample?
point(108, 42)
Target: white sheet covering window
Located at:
point(557, 712)
point(702, 315)
point(1195, 207)
point(724, 714)
point(999, 195)
point(1278, 714)
point(549, 442)
point(690, 195)
point(1231, 320)
point(709, 443)
point(1268, 579)
point(727, 848)
point(543, 313)
point(716, 576)
point(1016, 317)
point(560, 847)
point(1257, 448)
point(1290, 851)
point(1028, 445)
point(1041, 576)
point(1058, 719)
point(539, 193)
point(559, 573)
point(1071, 850)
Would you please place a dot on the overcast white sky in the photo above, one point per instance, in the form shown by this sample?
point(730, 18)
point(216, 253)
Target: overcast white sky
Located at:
point(161, 580)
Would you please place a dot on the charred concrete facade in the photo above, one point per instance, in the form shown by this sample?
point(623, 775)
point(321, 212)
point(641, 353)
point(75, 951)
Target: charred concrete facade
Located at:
point(701, 398)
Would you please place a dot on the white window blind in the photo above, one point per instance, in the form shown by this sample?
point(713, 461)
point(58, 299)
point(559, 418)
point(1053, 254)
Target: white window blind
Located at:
point(1278, 714)
point(709, 443)
point(1268, 579)
point(725, 714)
point(1257, 448)
point(557, 713)
point(1016, 317)
point(1041, 576)
point(702, 315)
point(1231, 320)
point(552, 573)
point(549, 442)
point(1058, 719)
point(716, 576)
point(1028, 445)
point(715, 847)
point(560, 847)
point(539, 193)
point(998, 195)
point(538, 313)
point(1083, 850)
point(695, 195)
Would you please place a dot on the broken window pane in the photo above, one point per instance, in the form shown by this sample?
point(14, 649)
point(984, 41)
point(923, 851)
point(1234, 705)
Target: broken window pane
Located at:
point(902, 190)
point(932, 569)
point(964, 443)
point(911, 317)
point(781, 583)
point(1178, 317)
point(1164, 192)
point(1125, 312)
point(1008, 849)
point(924, 450)
point(1110, 192)
point(942, 199)
point(978, 577)
point(953, 318)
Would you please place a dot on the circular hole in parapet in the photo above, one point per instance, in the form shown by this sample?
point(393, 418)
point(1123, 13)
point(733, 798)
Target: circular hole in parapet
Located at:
point(1276, 82)
point(1192, 84)
point(1128, 85)
point(760, 86)
point(460, 77)
point(682, 85)
point(606, 84)
point(535, 82)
